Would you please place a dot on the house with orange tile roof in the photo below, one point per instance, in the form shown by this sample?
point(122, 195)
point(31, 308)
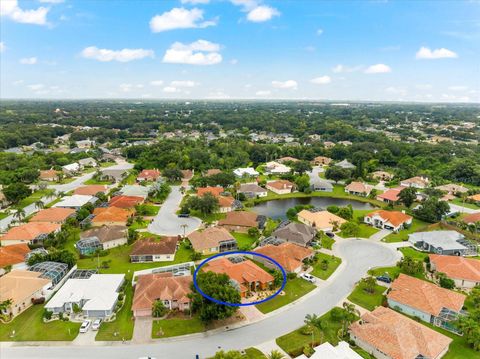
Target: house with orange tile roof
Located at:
point(391, 195)
point(289, 255)
point(425, 300)
point(465, 272)
point(13, 255)
point(212, 172)
point(248, 276)
point(415, 182)
point(53, 215)
point(475, 198)
point(187, 175)
point(214, 191)
point(391, 220)
point(280, 186)
point(49, 175)
point(91, 190)
point(126, 202)
point(154, 250)
point(227, 204)
point(387, 334)
point(239, 221)
point(321, 220)
point(358, 188)
point(21, 286)
point(172, 291)
point(148, 175)
point(111, 216)
point(29, 233)
point(471, 218)
point(212, 240)
point(321, 161)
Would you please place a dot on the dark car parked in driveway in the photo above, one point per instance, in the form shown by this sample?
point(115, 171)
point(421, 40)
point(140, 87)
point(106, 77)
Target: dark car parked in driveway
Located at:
point(384, 278)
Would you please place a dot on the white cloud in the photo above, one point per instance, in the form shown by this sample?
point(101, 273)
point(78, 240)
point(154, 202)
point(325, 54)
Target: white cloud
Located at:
point(130, 87)
point(233, 61)
point(36, 87)
point(180, 18)
point(185, 83)
point(396, 90)
point(28, 61)
point(195, 2)
point(289, 84)
point(2, 46)
point(200, 52)
point(124, 55)
point(262, 13)
point(378, 69)
point(442, 53)
point(171, 89)
point(156, 83)
point(458, 88)
point(319, 32)
point(255, 11)
point(263, 93)
point(343, 69)
point(10, 9)
point(52, 1)
point(321, 80)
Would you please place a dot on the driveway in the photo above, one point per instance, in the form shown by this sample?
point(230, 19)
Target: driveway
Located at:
point(377, 237)
point(358, 256)
point(142, 332)
point(167, 223)
point(462, 209)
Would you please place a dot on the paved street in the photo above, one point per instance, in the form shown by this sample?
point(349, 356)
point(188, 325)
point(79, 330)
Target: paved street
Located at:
point(358, 256)
point(462, 209)
point(166, 222)
point(30, 209)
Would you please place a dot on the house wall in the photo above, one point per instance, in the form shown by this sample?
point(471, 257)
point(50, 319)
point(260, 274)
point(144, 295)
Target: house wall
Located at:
point(409, 310)
point(279, 191)
point(114, 243)
point(21, 305)
point(369, 348)
point(240, 229)
point(100, 224)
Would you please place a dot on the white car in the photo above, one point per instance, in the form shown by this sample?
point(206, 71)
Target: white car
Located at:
point(85, 325)
point(308, 277)
point(96, 324)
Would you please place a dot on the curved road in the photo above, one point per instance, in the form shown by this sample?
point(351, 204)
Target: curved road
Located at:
point(167, 223)
point(358, 256)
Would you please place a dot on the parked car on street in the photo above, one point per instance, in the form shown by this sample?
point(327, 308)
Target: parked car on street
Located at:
point(85, 325)
point(308, 277)
point(330, 234)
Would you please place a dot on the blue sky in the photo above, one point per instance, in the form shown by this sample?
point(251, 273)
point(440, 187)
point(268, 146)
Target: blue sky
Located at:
point(241, 49)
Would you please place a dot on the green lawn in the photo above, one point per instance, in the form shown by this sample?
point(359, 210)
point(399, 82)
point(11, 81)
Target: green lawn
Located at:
point(29, 326)
point(244, 241)
point(149, 210)
point(367, 300)
point(333, 263)
point(94, 181)
point(410, 252)
point(293, 342)
point(294, 289)
point(365, 231)
point(174, 327)
point(107, 164)
point(417, 226)
point(392, 272)
point(460, 202)
point(34, 197)
point(130, 179)
point(327, 242)
point(119, 261)
point(122, 326)
point(3, 215)
point(139, 224)
point(253, 353)
point(208, 218)
point(48, 205)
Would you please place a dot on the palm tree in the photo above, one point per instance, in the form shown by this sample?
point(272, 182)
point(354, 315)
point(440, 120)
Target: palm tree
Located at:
point(20, 214)
point(39, 204)
point(313, 321)
point(351, 313)
point(275, 354)
point(5, 304)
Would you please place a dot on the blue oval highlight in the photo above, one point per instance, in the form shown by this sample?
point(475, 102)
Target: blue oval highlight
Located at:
point(284, 282)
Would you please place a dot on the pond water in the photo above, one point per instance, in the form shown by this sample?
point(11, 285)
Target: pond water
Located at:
point(277, 209)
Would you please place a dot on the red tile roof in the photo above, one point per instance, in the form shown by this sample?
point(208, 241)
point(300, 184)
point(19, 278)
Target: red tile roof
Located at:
point(225, 202)
point(242, 272)
point(125, 201)
point(14, 254)
point(424, 296)
point(90, 190)
point(281, 184)
point(149, 174)
point(391, 194)
point(163, 286)
point(48, 174)
point(151, 246)
point(216, 191)
point(398, 336)
point(53, 215)
point(394, 217)
point(457, 267)
point(289, 255)
point(239, 218)
point(111, 214)
point(472, 218)
point(209, 238)
point(30, 231)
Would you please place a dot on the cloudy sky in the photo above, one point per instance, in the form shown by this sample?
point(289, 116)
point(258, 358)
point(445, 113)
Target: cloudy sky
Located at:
point(241, 49)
